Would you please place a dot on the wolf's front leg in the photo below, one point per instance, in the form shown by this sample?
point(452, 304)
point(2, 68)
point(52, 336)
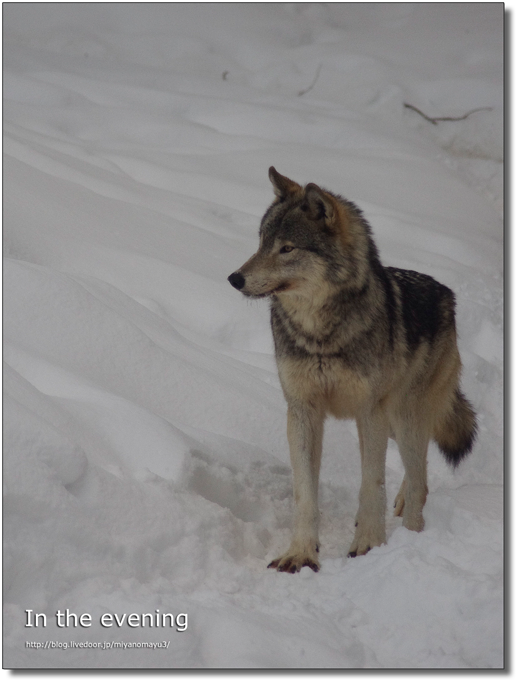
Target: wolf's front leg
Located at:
point(373, 433)
point(305, 434)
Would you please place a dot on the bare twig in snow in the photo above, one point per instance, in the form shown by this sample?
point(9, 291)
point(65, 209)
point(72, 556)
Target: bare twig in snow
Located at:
point(302, 92)
point(436, 119)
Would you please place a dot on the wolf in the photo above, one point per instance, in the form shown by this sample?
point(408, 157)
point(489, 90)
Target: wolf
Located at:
point(355, 340)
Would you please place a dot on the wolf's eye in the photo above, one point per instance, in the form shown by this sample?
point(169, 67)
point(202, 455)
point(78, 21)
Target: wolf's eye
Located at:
point(286, 248)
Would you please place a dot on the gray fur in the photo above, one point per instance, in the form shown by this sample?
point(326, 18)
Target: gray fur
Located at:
point(354, 339)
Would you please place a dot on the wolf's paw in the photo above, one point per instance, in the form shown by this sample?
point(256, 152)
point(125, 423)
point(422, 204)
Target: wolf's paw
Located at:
point(364, 541)
point(399, 500)
point(411, 512)
point(414, 522)
point(399, 505)
point(294, 562)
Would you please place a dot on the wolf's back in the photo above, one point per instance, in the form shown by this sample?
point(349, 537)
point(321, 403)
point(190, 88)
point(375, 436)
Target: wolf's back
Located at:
point(428, 314)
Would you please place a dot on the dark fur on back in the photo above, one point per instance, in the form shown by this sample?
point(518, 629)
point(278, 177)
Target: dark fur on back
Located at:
point(427, 306)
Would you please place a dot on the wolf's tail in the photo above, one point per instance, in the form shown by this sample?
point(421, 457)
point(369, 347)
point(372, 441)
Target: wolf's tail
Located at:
point(456, 431)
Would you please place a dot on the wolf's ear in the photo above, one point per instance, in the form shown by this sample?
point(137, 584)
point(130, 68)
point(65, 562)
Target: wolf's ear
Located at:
point(318, 204)
point(282, 185)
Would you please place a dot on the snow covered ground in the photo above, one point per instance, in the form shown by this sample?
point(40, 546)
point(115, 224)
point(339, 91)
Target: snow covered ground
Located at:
point(146, 468)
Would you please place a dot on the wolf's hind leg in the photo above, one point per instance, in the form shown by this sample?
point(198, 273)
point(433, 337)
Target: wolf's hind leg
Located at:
point(399, 500)
point(305, 435)
point(409, 503)
point(370, 520)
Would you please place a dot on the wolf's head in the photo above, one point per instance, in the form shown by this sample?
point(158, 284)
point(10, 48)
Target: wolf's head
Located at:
point(311, 243)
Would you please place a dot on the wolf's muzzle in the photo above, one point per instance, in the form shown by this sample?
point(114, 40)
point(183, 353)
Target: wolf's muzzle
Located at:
point(237, 280)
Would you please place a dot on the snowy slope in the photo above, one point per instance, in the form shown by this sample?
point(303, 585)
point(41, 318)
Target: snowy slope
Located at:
point(145, 460)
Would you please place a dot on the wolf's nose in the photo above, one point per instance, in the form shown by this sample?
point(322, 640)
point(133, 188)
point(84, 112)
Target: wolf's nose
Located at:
point(237, 280)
